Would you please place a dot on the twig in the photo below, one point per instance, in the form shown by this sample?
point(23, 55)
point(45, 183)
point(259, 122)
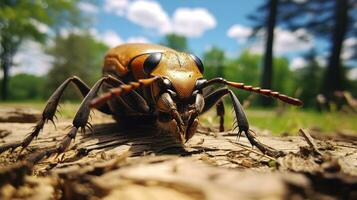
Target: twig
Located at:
point(252, 150)
point(310, 141)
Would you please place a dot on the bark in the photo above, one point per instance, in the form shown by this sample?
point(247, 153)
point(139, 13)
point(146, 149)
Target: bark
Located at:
point(333, 80)
point(116, 162)
point(267, 74)
point(19, 115)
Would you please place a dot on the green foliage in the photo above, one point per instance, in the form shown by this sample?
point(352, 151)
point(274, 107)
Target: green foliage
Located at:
point(244, 69)
point(79, 55)
point(26, 86)
point(213, 60)
point(247, 69)
point(21, 20)
point(353, 87)
point(176, 42)
point(282, 76)
point(308, 80)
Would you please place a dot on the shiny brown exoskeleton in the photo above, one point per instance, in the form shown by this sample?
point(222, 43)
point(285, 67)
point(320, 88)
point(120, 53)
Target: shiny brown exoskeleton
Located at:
point(155, 83)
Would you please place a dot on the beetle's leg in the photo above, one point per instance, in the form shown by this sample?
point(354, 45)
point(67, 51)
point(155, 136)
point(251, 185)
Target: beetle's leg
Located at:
point(80, 121)
point(193, 121)
point(165, 104)
point(49, 112)
point(242, 122)
point(191, 130)
point(132, 100)
point(213, 98)
point(258, 90)
point(220, 113)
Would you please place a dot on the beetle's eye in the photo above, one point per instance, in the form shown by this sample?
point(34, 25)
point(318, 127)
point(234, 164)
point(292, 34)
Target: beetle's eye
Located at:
point(167, 83)
point(151, 62)
point(198, 63)
point(200, 82)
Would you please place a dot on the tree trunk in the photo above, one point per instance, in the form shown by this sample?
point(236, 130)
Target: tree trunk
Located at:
point(333, 74)
point(5, 65)
point(9, 49)
point(5, 80)
point(268, 58)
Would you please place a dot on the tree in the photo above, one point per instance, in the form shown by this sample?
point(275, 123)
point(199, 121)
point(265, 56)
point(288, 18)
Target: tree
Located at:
point(20, 20)
point(76, 54)
point(266, 19)
point(176, 42)
point(308, 79)
point(283, 77)
point(330, 19)
point(245, 69)
point(25, 91)
point(213, 60)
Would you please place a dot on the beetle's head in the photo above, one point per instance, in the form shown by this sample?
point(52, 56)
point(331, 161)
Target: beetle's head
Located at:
point(178, 101)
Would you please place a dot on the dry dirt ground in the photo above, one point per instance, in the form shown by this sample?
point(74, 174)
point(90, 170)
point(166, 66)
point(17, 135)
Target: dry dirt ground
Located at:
point(138, 162)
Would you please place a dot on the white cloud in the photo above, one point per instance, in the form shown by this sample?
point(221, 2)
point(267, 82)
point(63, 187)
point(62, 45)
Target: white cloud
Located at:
point(298, 63)
point(321, 60)
point(112, 39)
point(88, 7)
point(192, 22)
point(117, 7)
point(352, 74)
point(349, 48)
point(239, 32)
point(300, 1)
point(149, 14)
point(285, 41)
point(137, 40)
point(41, 27)
point(31, 59)
point(109, 37)
point(65, 32)
point(189, 22)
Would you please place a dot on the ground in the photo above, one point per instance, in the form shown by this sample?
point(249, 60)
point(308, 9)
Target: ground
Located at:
point(138, 162)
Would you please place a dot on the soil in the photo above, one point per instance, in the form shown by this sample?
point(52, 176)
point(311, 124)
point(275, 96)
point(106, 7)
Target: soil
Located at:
point(139, 162)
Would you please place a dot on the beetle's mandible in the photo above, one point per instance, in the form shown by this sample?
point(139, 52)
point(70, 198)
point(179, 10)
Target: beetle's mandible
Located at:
point(155, 83)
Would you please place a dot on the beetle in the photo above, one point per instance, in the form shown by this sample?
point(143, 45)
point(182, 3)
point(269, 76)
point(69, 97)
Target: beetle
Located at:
point(155, 84)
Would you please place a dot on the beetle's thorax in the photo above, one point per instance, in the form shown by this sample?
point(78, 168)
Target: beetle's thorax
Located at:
point(180, 70)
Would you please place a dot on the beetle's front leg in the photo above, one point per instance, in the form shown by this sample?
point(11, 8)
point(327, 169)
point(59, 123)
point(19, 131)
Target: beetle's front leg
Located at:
point(80, 121)
point(243, 126)
point(220, 113)
point(242, 122)
point(165, 104)
point(193, 121)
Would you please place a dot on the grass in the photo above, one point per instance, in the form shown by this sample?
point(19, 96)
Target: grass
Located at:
point(289, 121)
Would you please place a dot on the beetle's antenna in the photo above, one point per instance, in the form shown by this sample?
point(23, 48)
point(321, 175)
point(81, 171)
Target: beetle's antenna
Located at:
point(266, 92)
point(125, 88)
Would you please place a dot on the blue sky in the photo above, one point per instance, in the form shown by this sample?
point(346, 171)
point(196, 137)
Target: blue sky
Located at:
point(226, 14)
point(205, 23)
